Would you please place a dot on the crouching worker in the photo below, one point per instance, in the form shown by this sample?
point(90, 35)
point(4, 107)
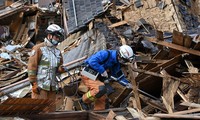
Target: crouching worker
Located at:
point(44, 63)
point(103, 64)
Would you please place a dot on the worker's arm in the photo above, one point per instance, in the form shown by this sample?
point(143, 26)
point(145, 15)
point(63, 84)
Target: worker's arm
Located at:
point(119, 77)
point(33, 64)
point(96, 60)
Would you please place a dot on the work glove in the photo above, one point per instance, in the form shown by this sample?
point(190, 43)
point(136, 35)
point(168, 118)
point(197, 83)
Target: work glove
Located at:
point(35, 88)
point(65, 68)
point(124, 82)
point(104, 74)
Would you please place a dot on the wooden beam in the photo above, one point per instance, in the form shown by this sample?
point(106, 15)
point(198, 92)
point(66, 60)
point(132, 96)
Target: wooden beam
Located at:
point(169, 90)
point(174, 46)
point(135, 113)
point(176, 116)
point(123, 40)
point(182, 95)
point(154, 103)
point(94, 116)
point(120, 117)
point(155, 74)
point(167, 105)
point(142, 78)
point(121, 97)
point(189, 104)
point(118, 24)
point(111, 115)
point(135, 87)
point(186, 111)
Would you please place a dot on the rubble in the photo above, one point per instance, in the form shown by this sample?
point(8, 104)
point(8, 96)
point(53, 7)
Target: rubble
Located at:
point(163, 34)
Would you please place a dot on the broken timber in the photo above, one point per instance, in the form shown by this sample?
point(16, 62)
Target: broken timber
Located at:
point(174, 46)
point(135, 87)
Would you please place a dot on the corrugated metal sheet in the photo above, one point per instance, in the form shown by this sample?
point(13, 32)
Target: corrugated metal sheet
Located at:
point(90, 42)
point(80, 12)
point(24, 106)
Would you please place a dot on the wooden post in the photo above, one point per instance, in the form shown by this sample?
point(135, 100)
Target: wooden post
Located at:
point(135, 87)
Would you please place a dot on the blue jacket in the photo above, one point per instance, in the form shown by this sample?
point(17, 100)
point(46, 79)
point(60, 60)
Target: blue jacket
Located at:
point(96, 61)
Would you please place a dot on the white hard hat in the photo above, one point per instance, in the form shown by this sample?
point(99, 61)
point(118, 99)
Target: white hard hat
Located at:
point(126, 52)
point(55, 30)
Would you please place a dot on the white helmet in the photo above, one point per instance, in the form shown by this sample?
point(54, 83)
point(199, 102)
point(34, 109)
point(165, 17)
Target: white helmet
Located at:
point(55, 30)
point(126, 52)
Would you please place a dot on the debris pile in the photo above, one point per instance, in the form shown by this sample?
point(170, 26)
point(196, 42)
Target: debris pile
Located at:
point(163, 34)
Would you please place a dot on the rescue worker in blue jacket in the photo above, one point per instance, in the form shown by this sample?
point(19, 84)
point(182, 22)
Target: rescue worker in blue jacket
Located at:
point(104, 62)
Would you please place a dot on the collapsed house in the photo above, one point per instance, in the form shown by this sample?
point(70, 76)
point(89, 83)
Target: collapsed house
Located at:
point(163, 34)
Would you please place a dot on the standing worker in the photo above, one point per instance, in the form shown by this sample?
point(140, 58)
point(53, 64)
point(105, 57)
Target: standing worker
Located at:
point(44, 63)
point(104, 62)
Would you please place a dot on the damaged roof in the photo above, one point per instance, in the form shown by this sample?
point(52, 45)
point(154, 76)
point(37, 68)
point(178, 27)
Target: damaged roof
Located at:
point(80, 12)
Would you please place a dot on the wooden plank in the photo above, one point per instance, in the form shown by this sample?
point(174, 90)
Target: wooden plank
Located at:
point(174, 46)
point(155, 74)
point(187, 41)
point(9, 75)
point(121, 97)
point(123, 40)
point(24, 37)
point(148, 109)
point(120, 117)
point(67, 115)
point(154, 103)
point(177, 38)
point(197, 46)
point(159, 35)
point(182, 95)
point(16, 25)
point(169, 89)
point(21, 30)
point(94, 116)
point(135, 87)
point(111, 115)
point(176, 116)
point(176, 18)
point(191, 68)
point(30, 106)
point(68, 103)
point(189, 104)
point(167, 105)
point(163, 66)
point(118, 24)
point(186, 111)
point(135, 113)
point(162, 54)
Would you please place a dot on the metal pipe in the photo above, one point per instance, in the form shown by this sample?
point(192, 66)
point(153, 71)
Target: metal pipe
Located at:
point(75, 61)
point(14, 84)
point(14, 88)
point(74, 12)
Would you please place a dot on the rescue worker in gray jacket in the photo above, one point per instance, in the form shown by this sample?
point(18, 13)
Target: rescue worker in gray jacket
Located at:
point(44, 63)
